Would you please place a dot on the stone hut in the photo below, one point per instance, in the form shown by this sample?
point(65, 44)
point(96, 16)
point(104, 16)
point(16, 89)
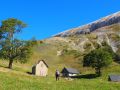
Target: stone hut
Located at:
point(68, 72)
point(114, 78)
point(40, 69)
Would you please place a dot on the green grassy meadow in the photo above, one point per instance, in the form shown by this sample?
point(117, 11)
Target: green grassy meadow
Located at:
point(14, 81)
point(19, 79)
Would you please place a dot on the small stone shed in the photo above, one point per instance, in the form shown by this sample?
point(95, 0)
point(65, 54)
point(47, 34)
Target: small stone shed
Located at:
point(114, 78)
point(40, 69)
point(68, 72)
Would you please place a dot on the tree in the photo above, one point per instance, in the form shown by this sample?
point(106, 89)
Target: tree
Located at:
point(109, 49)
point(97, 59)
point(12, 48)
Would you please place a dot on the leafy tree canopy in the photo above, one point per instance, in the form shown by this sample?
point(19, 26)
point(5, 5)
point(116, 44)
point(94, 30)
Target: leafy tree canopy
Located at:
point(97, 59)
point(12, 48)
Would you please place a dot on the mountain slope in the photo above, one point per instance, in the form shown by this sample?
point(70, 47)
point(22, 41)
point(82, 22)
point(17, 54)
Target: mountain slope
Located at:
point(68, 48)
point(106, 21)
point(68, 51)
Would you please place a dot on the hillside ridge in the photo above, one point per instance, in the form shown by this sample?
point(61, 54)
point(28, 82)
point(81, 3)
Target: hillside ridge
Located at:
point(105, 21)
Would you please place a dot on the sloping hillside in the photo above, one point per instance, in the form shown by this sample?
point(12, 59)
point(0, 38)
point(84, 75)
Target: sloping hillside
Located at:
point(69, 47)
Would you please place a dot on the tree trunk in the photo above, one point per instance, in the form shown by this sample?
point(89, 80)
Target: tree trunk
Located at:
point(10, 63)
point(98, 71)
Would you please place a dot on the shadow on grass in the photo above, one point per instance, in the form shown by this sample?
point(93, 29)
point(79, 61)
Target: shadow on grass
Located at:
point(86, 76)
point(117, 61)
point(30, 73)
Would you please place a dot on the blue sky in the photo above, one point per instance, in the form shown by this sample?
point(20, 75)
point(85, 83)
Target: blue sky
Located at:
point(48, 17)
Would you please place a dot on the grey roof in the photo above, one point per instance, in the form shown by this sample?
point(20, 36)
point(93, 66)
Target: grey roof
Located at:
point(72, 70)
point(114, 78)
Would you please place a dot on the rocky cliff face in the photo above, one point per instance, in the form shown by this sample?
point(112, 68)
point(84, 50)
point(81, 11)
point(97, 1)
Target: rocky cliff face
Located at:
point(106, 21)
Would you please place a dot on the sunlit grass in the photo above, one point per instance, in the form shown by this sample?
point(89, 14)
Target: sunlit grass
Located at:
point(19, 80)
